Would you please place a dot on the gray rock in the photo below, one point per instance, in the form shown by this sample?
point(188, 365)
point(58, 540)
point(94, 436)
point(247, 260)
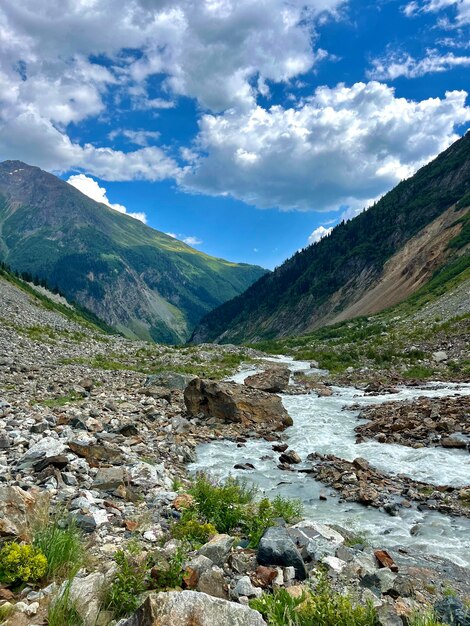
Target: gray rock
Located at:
point(170, 380)
point(452, 611)
point(439, 356)
point(212, 582)
point(109, 478)
point(45, 447)
point(86, 593)
point(186, 608)
point(217, 549)
point(277, 548)
point(244, 587)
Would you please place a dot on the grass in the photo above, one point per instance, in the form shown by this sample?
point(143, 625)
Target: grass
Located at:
point(62, 611)
point(419, 371)
point(61, 541)
point(61, 400)
point(424, 618)
point(322, 607)
point(233, 507)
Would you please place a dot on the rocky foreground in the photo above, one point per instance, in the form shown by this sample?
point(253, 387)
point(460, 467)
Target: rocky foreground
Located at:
point(99, 430)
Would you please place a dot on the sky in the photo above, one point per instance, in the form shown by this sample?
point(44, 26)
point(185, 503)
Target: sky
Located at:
point(246, 128)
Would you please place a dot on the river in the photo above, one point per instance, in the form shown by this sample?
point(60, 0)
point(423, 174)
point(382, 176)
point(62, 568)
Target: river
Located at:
point(326, 425)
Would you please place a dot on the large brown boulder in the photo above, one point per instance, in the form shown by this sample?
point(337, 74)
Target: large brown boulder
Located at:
point(234, 403)
point(273, 380)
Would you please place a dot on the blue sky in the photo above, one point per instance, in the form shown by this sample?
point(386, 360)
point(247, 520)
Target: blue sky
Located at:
point(247, 128)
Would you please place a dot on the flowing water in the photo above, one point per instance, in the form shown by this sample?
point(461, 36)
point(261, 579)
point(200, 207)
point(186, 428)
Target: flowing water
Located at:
point(326, 425)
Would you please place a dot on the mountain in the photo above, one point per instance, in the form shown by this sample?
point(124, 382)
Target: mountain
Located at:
point(137, 279)
point(380, 258)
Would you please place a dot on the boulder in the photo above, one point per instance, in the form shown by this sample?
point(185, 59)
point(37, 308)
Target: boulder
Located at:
point(290, 457)
point(244, 587)
point(453, 611)
point(272, 380)
point(16, 510)
point(439, 356)
point(170, 380)
point(232, 403)
point(192, 608)
point(217, 549)
point(277, 548)
point(86, 594)
point(109, 478)
point(96, 452)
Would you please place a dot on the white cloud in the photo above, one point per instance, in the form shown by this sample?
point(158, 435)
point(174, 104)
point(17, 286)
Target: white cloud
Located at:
point(90, 188)
point(341, 146)
point(461, 8)
point(192, 241)
point(221, 52)
point(319, 233)
point(395, 65)
point(137, 137)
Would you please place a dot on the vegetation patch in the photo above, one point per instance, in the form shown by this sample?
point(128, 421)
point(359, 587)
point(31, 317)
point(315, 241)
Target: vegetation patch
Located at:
point(319, 607)
point(21, 563)
point(233, 507)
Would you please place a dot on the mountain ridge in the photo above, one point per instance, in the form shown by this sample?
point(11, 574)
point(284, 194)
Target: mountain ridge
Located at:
point(320, 283)
point(137, 279)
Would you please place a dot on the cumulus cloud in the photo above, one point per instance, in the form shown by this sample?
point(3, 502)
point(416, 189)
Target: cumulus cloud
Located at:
point(190, 240)
point(341, 146)
point(319, 233)
point(221, 52)
point(395, 65)
point(461, 10)
point(90, 188)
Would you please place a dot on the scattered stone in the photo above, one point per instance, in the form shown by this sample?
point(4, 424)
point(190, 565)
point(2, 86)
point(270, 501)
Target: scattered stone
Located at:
point(217, 549)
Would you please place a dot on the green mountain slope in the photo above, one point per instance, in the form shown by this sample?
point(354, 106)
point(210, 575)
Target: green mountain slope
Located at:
point(139, 280)
point(374, 261)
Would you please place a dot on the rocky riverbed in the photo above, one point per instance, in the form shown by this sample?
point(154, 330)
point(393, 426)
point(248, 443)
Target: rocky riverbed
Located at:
point(102, 429)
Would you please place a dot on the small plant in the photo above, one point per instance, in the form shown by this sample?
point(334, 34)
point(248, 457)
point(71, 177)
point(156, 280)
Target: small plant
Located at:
point(322, 607)
point(131, 580)
point(62, 543)
point(168, 574)
point(193, 531)
point(177, 485)
point(6, 610)
point(424, 618)
point(21, 563)
point(62, 611)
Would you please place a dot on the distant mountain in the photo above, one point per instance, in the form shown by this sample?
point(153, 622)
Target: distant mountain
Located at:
point(374, 261)
point(137, 279)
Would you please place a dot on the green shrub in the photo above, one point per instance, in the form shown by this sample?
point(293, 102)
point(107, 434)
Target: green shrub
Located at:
point(419, 371)
point(193, 531)
point(263, 514)
point(62, 611)
point(131, 580)
point(223, 504)
point(21, 563)
point(322, 607)
point(62, 543)
point(168, 573)
point(232, 507)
